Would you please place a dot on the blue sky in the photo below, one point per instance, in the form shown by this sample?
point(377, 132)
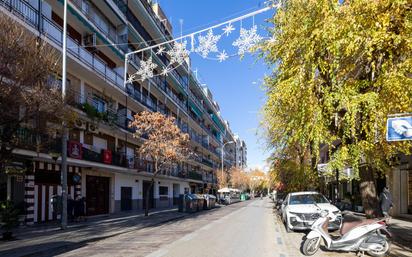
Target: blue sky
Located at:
point(235, 83)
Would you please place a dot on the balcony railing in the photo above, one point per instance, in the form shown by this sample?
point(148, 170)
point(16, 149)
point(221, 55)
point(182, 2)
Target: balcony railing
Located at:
point(53, 32)
point(98, 20)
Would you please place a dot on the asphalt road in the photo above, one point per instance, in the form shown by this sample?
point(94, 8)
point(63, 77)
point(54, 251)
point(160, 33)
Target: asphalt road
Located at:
point(247, 229)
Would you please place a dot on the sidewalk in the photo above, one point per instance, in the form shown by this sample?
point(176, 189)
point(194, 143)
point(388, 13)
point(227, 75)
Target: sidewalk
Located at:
point(401, 230)
point(41, 239)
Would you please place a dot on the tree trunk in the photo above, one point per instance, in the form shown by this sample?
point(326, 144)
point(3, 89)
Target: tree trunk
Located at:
point(146, 209)
point(368, 192)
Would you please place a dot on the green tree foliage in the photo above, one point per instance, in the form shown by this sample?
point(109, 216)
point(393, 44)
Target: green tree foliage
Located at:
point(339, 70)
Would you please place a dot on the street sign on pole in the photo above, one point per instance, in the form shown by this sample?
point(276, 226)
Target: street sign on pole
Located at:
point(399, 128)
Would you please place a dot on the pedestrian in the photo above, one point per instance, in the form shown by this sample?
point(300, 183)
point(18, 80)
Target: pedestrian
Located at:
point(79, 209)
point(386, 202)
point(70, 207)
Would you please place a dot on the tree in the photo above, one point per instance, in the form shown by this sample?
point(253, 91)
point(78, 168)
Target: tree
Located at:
point(27, 97)
point(222, 178)
point(164, 143)
point(339, 69)
point(256, 180)
point(238, 178)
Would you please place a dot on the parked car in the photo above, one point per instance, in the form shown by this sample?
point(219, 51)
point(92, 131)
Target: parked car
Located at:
point(300, 209)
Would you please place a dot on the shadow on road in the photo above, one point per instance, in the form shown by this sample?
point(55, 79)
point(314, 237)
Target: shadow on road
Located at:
point(59, 242)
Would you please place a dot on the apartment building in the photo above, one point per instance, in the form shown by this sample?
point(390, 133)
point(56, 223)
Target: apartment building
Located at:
point(104, 166)
point(241, 153)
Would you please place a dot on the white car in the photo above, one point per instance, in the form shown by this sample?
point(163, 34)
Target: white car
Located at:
point(301, 209)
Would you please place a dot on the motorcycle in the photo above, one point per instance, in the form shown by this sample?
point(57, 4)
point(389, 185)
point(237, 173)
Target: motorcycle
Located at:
point(358, 236)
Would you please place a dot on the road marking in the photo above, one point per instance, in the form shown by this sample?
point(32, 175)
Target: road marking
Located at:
point(158, 253)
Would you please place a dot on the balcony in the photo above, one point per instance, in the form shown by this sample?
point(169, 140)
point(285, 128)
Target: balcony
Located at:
point(194, 175)
point(87, 104)
point(53, 32)
point(156, 20)
point(98, 20)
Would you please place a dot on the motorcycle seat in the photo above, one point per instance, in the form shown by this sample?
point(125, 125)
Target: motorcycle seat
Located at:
point(348, 226)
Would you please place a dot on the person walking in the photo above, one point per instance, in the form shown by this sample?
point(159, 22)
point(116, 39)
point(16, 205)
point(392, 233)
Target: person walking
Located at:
point(386, 202)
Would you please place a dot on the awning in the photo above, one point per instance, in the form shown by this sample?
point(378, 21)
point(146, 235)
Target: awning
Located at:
point(195, 109)
point(217, 121)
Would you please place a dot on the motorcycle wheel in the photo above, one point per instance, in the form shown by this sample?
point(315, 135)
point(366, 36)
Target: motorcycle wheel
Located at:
point(384, 252)
point(310, 246)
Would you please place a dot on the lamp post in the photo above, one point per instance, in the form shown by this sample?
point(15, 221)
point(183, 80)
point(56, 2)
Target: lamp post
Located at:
point(221, 153)
point(65, 132)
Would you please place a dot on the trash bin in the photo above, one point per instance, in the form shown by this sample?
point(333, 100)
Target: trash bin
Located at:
point(242, 197)
point(200, 202)
point(191, 202)
point(210, 202)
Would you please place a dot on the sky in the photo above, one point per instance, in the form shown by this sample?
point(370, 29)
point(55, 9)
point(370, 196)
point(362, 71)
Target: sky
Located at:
point(235, 84)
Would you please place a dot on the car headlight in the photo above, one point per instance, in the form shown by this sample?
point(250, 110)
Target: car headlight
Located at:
point(337, 213)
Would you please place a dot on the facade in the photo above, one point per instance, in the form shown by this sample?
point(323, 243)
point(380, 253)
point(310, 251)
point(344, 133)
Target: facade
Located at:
point(398, 179)
point(241, 153)
point(104, 166)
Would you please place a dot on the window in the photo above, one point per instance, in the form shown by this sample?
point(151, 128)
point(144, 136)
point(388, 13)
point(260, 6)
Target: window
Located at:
point(99, 104)
point(163, 191)
point(307, 199)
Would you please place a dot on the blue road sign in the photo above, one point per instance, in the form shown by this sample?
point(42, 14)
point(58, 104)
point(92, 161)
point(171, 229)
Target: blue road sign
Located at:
point(399, 129)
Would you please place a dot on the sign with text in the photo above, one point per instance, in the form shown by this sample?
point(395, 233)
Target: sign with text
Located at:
point(399, 129)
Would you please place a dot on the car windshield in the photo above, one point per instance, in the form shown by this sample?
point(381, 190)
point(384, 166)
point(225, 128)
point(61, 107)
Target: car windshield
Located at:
point(307, 199)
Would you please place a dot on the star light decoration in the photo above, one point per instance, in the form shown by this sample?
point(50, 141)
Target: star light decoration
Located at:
point(222, 56)
point(160, 50)
point(145, 70)
point(228, 29)
point(208, 44)
point(247, 39)
point(178, 53)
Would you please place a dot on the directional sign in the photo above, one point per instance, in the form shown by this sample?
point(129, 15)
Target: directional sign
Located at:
point(399, 129)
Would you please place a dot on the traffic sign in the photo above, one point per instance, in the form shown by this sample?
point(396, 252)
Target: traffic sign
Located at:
point(399, 129)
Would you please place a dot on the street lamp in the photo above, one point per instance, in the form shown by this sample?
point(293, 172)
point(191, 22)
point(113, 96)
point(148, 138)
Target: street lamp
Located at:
point(65, 132)
point(221, 153)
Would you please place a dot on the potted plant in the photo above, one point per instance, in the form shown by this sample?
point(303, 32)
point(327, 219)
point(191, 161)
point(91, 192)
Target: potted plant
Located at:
point(9, 218)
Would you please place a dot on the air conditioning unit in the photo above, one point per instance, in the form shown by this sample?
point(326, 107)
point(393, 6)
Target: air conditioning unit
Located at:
point(90, 40)
point(80, 124)
point(92, 128)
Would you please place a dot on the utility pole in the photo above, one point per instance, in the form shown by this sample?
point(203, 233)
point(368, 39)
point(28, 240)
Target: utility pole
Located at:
point(64, 125)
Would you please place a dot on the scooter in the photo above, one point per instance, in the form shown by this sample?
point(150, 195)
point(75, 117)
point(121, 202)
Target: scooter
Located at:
point(359, 236)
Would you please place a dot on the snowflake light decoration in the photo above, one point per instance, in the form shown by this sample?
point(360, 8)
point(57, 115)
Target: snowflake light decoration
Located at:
point(222, 56)
point(207, 44)
point(166, 71)
point(160, 50)
point(146, 68)
point(228, 29)
point(178, 53)
point(247, 39)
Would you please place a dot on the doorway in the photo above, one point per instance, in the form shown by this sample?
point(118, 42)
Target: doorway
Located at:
point(97, 195)
point(146, 185)
point(126, 198)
